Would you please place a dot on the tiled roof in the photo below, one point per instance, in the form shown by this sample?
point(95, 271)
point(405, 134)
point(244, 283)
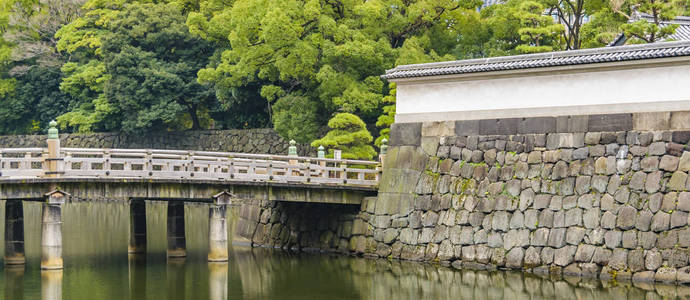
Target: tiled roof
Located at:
point(540, 60)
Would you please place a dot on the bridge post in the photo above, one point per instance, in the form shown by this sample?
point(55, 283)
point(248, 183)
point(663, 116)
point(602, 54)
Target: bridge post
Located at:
point(51, 230)
point(137, 227)
point(384, 150)
point(54, 161)
point(218, 228)
point(177, 246)
point(14, 233)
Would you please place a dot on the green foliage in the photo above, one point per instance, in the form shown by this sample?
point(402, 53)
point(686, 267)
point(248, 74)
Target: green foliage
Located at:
point(349, 134)
point(538, 31)
point(603, 27)
point(388, 117)
point(643, 31)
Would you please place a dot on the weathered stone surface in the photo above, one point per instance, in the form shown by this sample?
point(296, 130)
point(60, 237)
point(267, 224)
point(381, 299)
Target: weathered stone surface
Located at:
point(608, 220)
point(495, 240)
point(564, 256)
point(660, 221)
point(591, 218)
point(669, 163)
point(626, 217)
point(514, 258)
point(678, 219)
point(652, 260)
point(574, 235)
point(601, 256)
point(613, 238)
point(677, 181)
point(636, 260)
point(645, 276)
point(629, 239)
point(557, 237)
point(619, 259)
point(646, 240)
point(665, 274)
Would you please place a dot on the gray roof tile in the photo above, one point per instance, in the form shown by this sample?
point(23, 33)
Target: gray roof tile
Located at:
point(552, 59)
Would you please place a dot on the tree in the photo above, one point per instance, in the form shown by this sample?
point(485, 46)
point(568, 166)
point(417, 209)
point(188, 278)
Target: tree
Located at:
point(142, 75)
point(349, 134)
point(538, 31)
point(643, 30)
point(327, 54)
point(571, 14)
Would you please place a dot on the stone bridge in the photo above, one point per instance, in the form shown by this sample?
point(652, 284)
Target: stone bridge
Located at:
point(55, 175)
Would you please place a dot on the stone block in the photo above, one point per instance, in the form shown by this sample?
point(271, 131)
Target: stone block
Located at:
point(406, 134)
point(636, 260)
point(613, 238)
point(652, 260)
point(514, 258)
point(665, 274)
point(572, 123)
point(557, 238)
point(629, 239)
point(564, 256)
point(443, 128)
point(467, 127)
point(626, 217)
point(651, 121)
point(584, 253)
point(532, 257)
point(643, 220)
point(619, 259)
point(540, 237)
point(574, 235)
point(506, 126)
point(537, 125)
point(660, 221)
point(679, 219)
point(610, 122)
point(680, 120)
point(601, 256)
point(669, 163)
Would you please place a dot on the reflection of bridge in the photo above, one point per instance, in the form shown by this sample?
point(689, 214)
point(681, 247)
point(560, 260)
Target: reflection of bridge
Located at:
point(56, 175)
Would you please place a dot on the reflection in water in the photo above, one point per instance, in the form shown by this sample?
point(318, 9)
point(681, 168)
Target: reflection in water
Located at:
point(137, 275)
point(14, 282)
point(51, 284)
point(175, 277)
point(218, 280)
point(97, 266)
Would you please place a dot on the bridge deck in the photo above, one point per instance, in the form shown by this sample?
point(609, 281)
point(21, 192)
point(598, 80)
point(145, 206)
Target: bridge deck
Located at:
point(183, 175)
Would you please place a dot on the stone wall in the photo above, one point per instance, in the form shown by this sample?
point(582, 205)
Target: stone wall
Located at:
point(260, 141)
point(603, 204)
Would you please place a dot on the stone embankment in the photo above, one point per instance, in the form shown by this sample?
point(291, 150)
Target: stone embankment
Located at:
point(259, 141)
point(609, 205)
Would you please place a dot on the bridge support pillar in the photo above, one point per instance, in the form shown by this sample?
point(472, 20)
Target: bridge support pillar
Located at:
point(14, 232)
point(137, 227)
point(218, 228)
point(51, 231)
point(176, 239)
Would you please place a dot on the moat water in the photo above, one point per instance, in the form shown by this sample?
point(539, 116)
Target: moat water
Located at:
point(97, 266)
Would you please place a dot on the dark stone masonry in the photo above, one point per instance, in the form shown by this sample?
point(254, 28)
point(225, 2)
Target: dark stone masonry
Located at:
point(606, 204)
point(258, 141)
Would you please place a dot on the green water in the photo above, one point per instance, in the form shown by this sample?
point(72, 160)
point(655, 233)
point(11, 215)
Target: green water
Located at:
point(97, 267)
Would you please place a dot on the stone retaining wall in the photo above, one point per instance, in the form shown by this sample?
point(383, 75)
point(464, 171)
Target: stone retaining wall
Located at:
point(259, 141)
point(612, 205)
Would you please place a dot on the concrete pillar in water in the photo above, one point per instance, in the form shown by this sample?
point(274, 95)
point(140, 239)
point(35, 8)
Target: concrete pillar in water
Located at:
point(218, 281)
point(218, 228)
point(176, 238)
point(137, 226)
point(51, 231)
point(51, 284)
point(14, 282)
point(14, 233)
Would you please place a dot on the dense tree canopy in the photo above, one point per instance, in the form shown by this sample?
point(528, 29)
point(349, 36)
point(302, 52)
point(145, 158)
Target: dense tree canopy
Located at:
point(294, 65)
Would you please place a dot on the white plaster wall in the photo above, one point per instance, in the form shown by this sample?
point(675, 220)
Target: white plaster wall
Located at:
point(661, 88)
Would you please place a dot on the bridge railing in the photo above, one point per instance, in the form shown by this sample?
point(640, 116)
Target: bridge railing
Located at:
point(181, 164)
